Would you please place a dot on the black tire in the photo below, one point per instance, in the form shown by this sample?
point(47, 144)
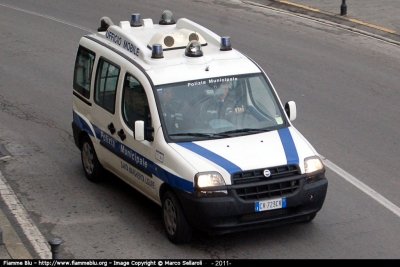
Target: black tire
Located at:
point(91, 165)
point(176, 225)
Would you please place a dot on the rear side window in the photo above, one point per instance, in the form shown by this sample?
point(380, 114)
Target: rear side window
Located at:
point(106, 84)
point(83, 71)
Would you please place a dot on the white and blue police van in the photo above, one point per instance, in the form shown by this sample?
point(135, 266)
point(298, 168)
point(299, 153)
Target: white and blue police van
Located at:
point(196, 126)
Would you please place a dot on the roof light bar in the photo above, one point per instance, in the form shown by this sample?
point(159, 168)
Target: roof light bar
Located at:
point(135, 20)
point(225, 43)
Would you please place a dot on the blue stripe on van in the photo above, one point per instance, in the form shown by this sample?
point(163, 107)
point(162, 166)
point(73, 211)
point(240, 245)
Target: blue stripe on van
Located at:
point(288, 146)
point(133, 158)
point(217, 159)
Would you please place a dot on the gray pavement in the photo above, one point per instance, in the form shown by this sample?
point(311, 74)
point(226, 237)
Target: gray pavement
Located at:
point(380, 19)
point(383, 13)
point(377, 18)
point(11, 246)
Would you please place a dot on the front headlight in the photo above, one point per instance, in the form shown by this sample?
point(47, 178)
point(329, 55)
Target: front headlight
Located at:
point(207, 179)
point(210, 184)
point(313, 164)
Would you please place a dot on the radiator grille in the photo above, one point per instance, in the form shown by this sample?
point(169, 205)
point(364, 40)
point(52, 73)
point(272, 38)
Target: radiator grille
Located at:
point(270, 187)
point(258, 175)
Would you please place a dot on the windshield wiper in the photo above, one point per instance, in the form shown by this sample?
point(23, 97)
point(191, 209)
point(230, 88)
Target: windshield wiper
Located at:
point(199, 134)
point(246, 130)
point(222, 134)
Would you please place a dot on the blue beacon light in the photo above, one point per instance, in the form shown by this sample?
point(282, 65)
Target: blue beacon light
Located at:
point(157, 51)
point(135, 20)
point(225, 43)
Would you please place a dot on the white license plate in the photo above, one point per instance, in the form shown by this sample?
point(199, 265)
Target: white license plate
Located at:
point(273, 204)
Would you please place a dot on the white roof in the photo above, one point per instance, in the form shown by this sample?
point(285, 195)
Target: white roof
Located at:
point(136, 42)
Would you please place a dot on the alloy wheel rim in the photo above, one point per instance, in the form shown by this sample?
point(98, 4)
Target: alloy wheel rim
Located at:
point(87, 154)
point(170, 217)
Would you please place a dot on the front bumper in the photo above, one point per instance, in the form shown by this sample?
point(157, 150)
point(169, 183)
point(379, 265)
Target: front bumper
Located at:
point(232, 213)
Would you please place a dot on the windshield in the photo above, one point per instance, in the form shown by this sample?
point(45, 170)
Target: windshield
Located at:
point(218, 107)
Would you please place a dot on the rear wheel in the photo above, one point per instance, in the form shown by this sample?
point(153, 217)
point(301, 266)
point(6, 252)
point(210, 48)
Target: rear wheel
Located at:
point(176, 225)
point(91, 165)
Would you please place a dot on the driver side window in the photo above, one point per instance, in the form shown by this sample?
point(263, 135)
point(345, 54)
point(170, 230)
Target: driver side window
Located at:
point(134, 102)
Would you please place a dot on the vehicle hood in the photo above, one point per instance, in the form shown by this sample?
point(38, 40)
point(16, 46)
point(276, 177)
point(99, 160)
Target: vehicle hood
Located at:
point(229, 155)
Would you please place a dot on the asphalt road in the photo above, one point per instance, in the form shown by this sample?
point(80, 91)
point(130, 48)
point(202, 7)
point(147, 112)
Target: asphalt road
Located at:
point(377, 18)
point(345, 86)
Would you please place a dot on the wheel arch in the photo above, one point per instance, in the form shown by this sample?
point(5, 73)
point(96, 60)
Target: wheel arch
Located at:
point(81, 135)
point(163, 189)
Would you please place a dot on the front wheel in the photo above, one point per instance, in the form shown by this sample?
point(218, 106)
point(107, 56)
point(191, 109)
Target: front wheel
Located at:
point(176, 225)
point(91, 165)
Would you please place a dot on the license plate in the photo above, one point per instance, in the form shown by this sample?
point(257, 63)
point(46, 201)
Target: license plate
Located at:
point(273, 204)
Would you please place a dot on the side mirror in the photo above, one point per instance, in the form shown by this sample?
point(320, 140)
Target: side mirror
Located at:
point(290, 109)
point(143, 133)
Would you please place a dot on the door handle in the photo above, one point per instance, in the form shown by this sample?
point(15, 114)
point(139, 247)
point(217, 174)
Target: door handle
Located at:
point(111, 128)
point(121, 134)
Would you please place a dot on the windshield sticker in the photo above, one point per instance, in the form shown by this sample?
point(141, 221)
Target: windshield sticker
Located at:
point(219, 80)
point(196, 83)
point(211, 81)
point(279, 120)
